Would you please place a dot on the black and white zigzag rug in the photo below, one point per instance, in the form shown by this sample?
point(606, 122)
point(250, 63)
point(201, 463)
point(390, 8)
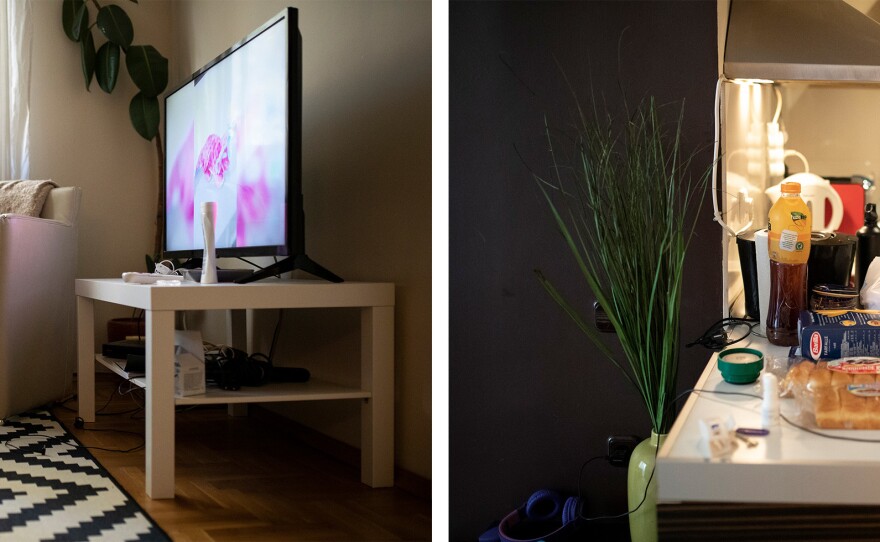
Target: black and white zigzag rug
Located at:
point(51, 488)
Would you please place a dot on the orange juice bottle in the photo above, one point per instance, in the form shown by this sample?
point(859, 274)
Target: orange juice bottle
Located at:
point(789, 247)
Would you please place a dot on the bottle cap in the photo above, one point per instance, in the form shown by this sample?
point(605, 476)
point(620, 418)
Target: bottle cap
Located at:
point(791, 187)
point(870, 213)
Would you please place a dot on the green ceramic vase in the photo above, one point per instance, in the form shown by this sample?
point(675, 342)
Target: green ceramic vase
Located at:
point(643, 522)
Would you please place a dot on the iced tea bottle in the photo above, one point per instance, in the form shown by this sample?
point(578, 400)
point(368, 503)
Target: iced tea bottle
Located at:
point(789, 247)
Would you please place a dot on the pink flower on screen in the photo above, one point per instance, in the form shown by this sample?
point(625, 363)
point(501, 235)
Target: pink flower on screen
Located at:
point(214, 159)
point(254, 199)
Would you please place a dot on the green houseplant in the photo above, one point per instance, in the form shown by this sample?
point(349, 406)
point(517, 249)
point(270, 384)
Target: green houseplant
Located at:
point(621, 206)
point(146, 67)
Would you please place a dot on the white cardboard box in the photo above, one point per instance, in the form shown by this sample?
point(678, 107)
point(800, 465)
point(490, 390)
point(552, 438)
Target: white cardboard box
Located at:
point(189, 363)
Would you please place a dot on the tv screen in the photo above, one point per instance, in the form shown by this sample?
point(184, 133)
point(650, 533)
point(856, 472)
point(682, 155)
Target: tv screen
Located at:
point(233, 136)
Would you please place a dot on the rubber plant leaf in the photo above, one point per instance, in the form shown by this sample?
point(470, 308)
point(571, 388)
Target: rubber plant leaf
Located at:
point(107, 66)
point(114, 23)
point(74, 18)
point(87, 49)
point(148, 69)
point(144, 112)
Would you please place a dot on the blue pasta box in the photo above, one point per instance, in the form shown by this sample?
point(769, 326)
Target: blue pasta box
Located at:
point(839, 334)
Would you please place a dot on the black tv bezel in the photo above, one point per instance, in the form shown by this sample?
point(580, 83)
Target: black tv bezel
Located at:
point(295, 216)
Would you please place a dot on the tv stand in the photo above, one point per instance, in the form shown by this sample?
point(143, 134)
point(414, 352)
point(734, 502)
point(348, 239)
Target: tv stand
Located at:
point(298, 261)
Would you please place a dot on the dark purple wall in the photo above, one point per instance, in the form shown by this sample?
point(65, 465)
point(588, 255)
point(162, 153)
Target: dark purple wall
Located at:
point(530, 400)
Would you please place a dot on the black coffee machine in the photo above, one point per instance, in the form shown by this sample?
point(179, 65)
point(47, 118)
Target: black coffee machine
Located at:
point(831, 259)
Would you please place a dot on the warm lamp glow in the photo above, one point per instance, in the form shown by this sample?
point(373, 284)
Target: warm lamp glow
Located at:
point(751, 81)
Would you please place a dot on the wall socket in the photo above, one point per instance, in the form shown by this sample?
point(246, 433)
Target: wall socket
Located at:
point(620, 448)
point(600, 319)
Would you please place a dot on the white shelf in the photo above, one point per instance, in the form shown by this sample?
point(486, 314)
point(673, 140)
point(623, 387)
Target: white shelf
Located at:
point(313, 390)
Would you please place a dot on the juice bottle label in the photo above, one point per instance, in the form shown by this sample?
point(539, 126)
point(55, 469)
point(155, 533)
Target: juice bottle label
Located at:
point(788, 241)
point(789, 235)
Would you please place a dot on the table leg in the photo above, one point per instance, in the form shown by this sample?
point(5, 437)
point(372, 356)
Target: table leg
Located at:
point(160, 405)
point(377, 413)
point(85, 372)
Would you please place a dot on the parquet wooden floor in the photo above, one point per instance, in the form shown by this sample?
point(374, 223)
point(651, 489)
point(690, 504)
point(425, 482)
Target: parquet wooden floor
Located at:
point(246, 479)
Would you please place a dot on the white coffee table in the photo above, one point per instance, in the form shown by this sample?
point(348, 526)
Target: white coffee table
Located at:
point(376, 390)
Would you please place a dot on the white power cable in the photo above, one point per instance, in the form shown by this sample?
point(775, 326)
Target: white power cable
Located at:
point(803, 158)
point(778, 105)
point(716, 190)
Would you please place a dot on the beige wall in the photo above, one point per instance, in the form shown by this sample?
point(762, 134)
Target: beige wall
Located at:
point(834, 127)
point(367, 176)
point(86, 139)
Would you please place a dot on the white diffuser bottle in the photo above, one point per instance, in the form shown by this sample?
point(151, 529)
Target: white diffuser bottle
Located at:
point(209, 259)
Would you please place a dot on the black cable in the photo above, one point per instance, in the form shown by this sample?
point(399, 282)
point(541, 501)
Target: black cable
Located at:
point(68, 440)
point(717, 337)
point(717, 392)
point(118, 391)
point(622, 514)
point(49, 440)
point(249, 262)
point(826, 435)
point(139, 408)
point(274, 261)
point(79, 423)
point(581, 473)
point(106, 404)
point(136, 448)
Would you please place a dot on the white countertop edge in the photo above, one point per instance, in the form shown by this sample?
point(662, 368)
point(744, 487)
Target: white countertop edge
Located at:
point(768, 482)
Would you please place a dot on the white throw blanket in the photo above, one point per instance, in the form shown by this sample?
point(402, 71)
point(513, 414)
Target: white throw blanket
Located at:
point(24, 197)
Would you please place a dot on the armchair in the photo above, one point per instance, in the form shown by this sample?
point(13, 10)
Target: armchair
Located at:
point(37, 303)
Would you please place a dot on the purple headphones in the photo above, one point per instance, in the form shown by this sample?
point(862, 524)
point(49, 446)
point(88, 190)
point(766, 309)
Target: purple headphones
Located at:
point(545, 516)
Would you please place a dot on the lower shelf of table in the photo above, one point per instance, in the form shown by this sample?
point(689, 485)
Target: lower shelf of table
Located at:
point(313, 390)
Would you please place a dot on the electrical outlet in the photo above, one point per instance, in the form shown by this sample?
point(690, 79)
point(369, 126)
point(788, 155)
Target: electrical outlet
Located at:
point(620, 448)
point(600, 319)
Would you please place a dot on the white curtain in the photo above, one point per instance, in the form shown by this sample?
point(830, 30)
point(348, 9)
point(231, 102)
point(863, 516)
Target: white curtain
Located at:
point(15, 77)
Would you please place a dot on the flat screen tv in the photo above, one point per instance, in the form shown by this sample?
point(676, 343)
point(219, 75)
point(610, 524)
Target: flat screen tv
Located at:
point(233, 134)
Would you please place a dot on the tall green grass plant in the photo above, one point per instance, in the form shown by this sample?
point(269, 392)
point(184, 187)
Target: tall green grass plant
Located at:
point(622, 207)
